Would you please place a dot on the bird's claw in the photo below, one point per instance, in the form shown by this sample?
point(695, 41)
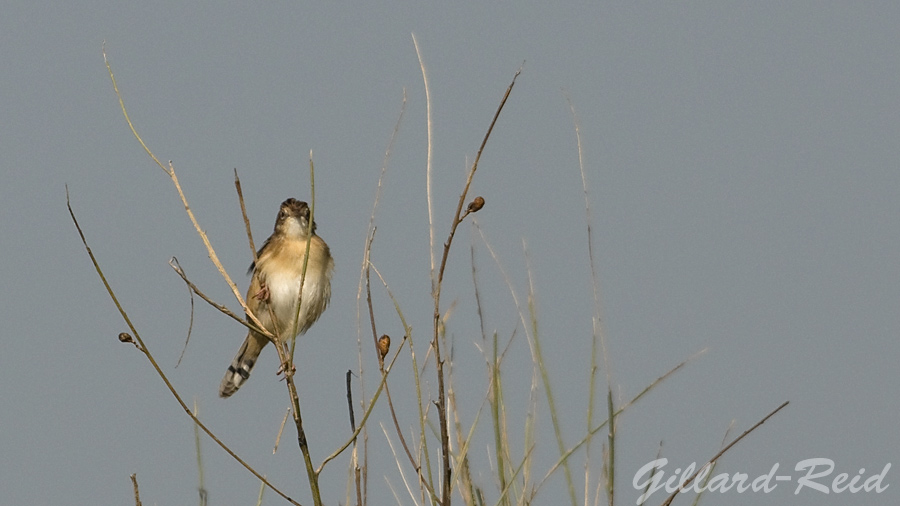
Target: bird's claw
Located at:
point(281, 371)
point(263, 293)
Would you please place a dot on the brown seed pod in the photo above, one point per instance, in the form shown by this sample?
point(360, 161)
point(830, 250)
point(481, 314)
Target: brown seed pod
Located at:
point(476, 205)
point(384, 345)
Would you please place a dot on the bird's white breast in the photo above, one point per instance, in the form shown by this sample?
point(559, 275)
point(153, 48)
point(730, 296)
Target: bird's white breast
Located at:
point(283, 289)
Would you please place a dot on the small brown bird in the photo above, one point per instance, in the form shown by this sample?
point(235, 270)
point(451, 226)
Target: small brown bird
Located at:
point(275, 287)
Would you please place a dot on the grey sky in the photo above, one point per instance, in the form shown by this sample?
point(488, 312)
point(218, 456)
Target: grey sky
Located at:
point(742, 159)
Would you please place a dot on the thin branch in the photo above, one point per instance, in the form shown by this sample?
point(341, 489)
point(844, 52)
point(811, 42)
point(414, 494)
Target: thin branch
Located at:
point(350, 402)
point(544, 374)
point(288, 359)
point(190, 324)
point(462, 197)
point(173, 263)
point(370, 234)
point(287, 413)
point(423, 450)
point(143, 349)
point(201, 486)
point(596, 327)
point(512, 480)
point(611, 437)
point(170, 171)
point(687, 482)
point(362, 422)
point(618, 412)
point(387, 390)
point(399, 468)
point(435, 344)
point(312, 228)
point(712, 469)
point(428, 165)
point(137, 493)
point(356, 473)
point(240, 194)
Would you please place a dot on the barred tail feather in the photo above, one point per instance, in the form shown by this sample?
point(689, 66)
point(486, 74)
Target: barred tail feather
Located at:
point(240, 367)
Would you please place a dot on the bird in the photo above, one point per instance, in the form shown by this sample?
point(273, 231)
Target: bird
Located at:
point(275, 285)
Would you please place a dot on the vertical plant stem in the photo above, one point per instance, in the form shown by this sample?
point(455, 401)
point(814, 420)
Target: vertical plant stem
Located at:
point(435, 342)
point(611, 437)
point(201, 487)
point(597, 329)
point(287, 358)
point(545, 379)
point(496, 414)
point(430, 131)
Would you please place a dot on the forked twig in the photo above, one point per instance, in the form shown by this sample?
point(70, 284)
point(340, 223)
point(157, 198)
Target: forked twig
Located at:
point(173, 263)
point(143, 349)
point(170, 171)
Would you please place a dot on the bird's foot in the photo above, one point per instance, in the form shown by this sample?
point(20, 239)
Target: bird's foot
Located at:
point(282, 371)
point(263, 293)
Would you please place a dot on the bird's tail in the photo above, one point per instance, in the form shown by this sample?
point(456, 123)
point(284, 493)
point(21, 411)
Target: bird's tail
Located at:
point(240, 367)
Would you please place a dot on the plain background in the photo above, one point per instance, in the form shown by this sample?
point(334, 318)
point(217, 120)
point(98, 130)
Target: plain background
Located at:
point(742, 165)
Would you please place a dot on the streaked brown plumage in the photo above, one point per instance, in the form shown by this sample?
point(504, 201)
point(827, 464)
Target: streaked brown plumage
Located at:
point(276, 284)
